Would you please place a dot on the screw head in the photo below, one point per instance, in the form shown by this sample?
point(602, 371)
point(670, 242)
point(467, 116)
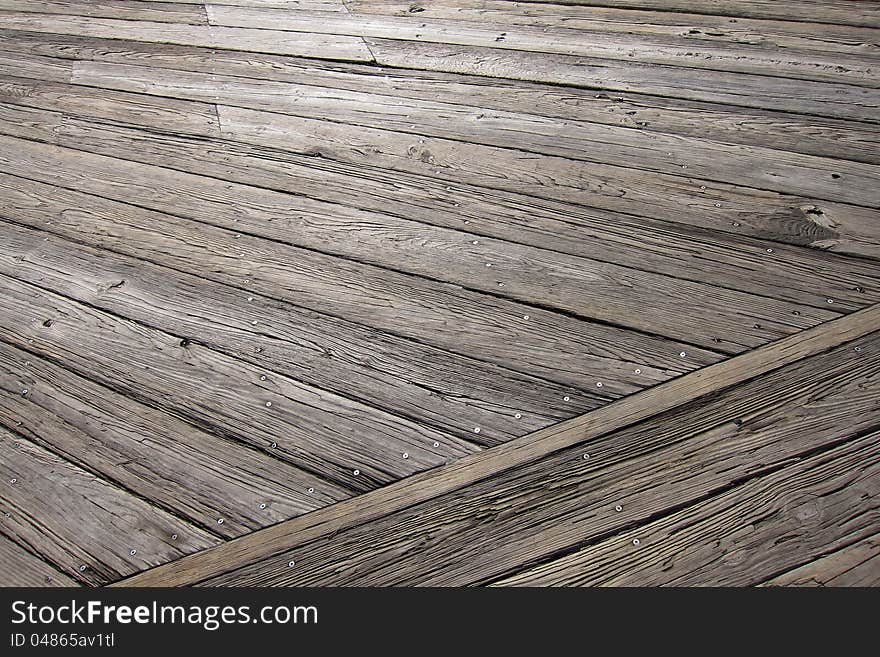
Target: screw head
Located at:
point(476, 429)
point(268, 404)
point(263, 505)
point(769, 250)
point(683, 354)
point(525, 317)
point(405, 455)
point(291, 563)
point(586, 457)
point(636, 542)
point(82, 568)
point(173, 537)
point(436, 444)
point(637, 371)
point(599, 384)
point(356, 473)
point(566, 398)
point(618, 508)
point(517, 415)
point(220, 521)
point(311, 490)
point(132, 552)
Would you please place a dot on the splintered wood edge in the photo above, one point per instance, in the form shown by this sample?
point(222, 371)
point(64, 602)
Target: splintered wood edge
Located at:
point(425, 486)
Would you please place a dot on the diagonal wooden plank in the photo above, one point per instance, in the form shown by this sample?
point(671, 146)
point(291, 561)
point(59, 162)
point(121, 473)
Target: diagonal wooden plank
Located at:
point(87, 527)
point(429, 386)
point(177, 466)
point(854, 565)
point(18, 567)
point(740, 536)
point(519, 452)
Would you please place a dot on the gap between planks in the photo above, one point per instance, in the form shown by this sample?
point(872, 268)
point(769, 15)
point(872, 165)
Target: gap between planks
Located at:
point(422, 487)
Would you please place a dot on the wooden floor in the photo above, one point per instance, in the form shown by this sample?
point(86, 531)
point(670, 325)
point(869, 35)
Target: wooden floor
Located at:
point(451, 292)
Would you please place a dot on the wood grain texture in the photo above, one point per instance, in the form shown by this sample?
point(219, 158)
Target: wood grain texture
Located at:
point(741, 536)
point(857, 564)
point(186, 471)
point(686, 26)
point(836, 12)
point(517, 453)
point(785, 273)
point(164, 12)
point(429, 386)
point(18, 567)
point(854, 69)
point(437, 138)
point(524, 338)
point(828, 99)
point(585, 288)
point(344, 48)
point(327, 434)
point(497, 526)
point(779, 130)
point(73, 518)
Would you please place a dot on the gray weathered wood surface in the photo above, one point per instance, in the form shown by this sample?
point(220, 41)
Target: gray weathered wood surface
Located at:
point(304, 266)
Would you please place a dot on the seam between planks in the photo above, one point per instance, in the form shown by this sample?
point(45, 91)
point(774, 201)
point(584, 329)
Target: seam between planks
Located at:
point(470, 469)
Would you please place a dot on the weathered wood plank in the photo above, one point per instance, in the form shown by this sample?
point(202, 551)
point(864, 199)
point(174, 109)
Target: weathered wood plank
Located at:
point(793, 274)
point(496, 527)
point(653, 49)
point(854, 565)
point(184, 470)
point(75, 519)
point(164, 12)
point(172, 114)
point(837, 12)
point(18, 567)
point(739, 537)
point(762, 92)
point(560, 348)
point(413, 380)
point(737, 125)
point(517, 453)
point(687, 26)
point(345, 48)
point(379, 129)
point(327, 434)
point(728, 321)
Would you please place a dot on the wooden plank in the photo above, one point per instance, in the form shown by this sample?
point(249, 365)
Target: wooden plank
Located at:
point(739, 537)
point(561, 348)
point(308, 5)
point(498, 526)
point(837, 12)
point(164, 12)
point(736, 125)
point(184, 116)
point(673, 51)
point(344, 48)
point(429, 386)
point(470, 470)
point(792, 274)
point(764, 215)
point(327, 434)
point(690, 27)
point(854, 565)
point(75, 519)
point(379, 129)
point(18, 567)
point(726, 550)
point(728, 321)
point(761, 92)
point(176, 466)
